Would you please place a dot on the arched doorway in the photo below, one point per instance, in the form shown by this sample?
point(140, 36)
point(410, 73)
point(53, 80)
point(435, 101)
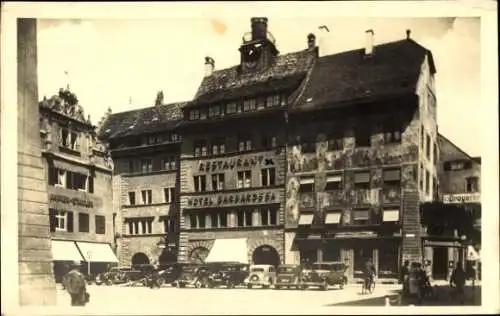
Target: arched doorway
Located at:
point(140, 258)
point(167, 257)
point(198, 255)
point(266, 255)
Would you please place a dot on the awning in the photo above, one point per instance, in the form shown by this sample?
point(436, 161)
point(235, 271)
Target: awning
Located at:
point(362, 177)
point(336, 178)
point(65, 251)
point(306, 219)
point(391, 216)
point(229, 250)
point(472, 254)
point(392, 175)
point(361, 215)
point(306, 180)
point(68, 166)
point(96, 252)
point(332, 218)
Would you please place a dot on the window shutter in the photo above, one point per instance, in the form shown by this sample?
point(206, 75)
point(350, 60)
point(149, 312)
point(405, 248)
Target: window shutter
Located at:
point(52, 175)
point(70, 222)
point(91, 184)
point(52, 219)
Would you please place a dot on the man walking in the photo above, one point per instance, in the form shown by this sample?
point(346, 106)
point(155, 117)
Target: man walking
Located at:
point(403, 277)
point(457, 281)
point(369, 273)
point(74, 283)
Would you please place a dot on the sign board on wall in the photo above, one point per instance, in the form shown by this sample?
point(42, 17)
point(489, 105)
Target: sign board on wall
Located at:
point(230, 163)
point(74, 201)
point(462, 198)
point(233, 199)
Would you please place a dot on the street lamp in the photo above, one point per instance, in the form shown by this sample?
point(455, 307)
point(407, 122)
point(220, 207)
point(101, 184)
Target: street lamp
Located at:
point(89, 254)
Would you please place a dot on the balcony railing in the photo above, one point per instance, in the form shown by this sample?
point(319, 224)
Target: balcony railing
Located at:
point(391, 195)
point(307, 200)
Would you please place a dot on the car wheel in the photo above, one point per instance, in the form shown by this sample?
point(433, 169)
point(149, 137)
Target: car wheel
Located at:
point(249, 286)
point(277, 287)
point(197, 284)
point(341, 285)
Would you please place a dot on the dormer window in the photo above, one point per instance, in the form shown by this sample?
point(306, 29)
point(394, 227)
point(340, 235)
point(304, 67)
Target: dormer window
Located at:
point(194, 115)
point(249, 105)
point(69, 139)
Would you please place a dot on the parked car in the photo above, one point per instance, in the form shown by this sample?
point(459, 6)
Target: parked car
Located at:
point(229, 274)
point(325, 274)
point(119, 275)
point(261, 275)
point(289, 276)
point(193, 275)
point(166, 274)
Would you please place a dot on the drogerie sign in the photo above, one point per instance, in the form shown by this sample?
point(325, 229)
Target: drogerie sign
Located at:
point(462, 198)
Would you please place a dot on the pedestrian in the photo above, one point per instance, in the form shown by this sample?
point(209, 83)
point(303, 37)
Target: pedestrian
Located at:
point(369, 273)
point(457, 281)
point(74, 282)
point(403, 276)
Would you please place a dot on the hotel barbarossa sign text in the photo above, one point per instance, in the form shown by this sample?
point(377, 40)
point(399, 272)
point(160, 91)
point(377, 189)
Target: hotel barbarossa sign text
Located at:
point(233, 199)
point(462, 198)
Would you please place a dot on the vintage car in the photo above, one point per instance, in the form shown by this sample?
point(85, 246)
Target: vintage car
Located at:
point(119, 275)
point(324, 274)
point(193, 275)
point(288, 276)
point(168, 274)
point(261, 275)
point(229, 274)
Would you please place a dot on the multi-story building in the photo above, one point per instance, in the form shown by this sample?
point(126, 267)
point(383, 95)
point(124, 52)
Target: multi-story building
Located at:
point(78, 175)
point(145, 149)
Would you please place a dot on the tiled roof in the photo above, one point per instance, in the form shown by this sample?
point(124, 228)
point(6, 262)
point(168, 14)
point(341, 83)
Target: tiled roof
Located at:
point(348, 76)
point(285, 72)
point(142, 121)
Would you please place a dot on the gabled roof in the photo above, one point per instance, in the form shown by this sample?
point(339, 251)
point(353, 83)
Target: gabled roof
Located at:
point(142, 121)
point(443, 139)
point(285, 72)
point(348, 76)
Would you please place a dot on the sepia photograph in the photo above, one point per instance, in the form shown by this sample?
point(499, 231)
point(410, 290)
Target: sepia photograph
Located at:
point(249, 158)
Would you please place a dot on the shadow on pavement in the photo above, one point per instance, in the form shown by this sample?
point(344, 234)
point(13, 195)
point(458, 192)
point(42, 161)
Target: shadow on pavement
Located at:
point(472, 298)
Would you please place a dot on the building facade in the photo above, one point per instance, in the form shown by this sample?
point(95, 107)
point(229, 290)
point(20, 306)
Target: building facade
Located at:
point(300, 157)
point(145, 149)
point(78, 179)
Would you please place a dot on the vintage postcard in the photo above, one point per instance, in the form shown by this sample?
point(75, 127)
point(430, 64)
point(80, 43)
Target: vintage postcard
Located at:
point(249, 158)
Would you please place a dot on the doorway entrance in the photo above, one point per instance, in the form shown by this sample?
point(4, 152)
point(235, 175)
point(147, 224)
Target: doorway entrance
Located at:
point(140, 258)
point(266, 255)
point(440, 263)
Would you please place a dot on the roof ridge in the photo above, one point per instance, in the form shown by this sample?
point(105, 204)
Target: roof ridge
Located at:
point(454, 145)
point(150, 107)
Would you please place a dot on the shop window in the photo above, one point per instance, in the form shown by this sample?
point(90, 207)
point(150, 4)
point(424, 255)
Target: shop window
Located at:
point(363, 137)
point(147, 197)
point(362, 180)
point(244, 179)
point(131, 198)
point(146, 165)
point(200, 148)
point(244, 142)
point(169, 195)
point(472, 184)
point(100, 224)
point(333, 183)
point(199, 183)
point(218, 146)
point(218, 182)
point(83, 222)
point(331, 254)
point(268, 176)
point(268, 217)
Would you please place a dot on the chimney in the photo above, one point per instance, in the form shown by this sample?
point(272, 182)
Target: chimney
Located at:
point(408, 33)
point(209, 66)
point(259, 28)
point(369, 42)
point(311, 41)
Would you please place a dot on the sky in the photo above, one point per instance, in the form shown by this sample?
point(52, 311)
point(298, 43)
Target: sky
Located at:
point(123, 63)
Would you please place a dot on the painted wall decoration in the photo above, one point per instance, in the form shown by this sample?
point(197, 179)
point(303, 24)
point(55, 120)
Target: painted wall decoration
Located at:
point(292, 202)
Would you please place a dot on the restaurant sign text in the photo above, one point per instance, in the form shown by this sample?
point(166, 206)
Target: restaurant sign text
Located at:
point(74, 201)
point(233, 199)
point(231, 163)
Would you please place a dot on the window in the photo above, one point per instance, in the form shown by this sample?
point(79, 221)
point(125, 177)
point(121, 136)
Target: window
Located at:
point(335, 142)
point(218, 220)
point(61, 178)
point(218, 146)
point(269, 141)
point(63, 221)
point(422, 136)
point(214, 111)
point(427, 182)
point(131, 198)
point(169, 195)
point(131, 166)
point(268, 177)
point(360, 217)
point(100, 224)
point(428, 147)
point(200, 148)
point(64, 141)
point(422, 177)
point(147, 197)
point(249, 105)
point(74, 141)
point(392, 133)
point(244, 143)
point(199, 183)
point(83, 222)
point(268, 217)
point(151, 140)
point(435, 155)
point(392, 177)
point(362, 180)
point(197, 221)
point(203, 115)
point(231, 108)
point(306, 185)
point(333, 183)
point(218, 182)
point(309, 145)
point(194, 115)
point(140, 226)
point(78, 182)
point(244, 179)
point(146, 165)
point(244, 218)
point(169, 225)
point(273, 100)
point(472, 184)
point(363, 137)
point(168, 163)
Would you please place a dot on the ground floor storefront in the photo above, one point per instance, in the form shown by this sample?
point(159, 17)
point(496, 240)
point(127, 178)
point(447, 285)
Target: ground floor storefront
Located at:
point(94, 257)
point(150, 249)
